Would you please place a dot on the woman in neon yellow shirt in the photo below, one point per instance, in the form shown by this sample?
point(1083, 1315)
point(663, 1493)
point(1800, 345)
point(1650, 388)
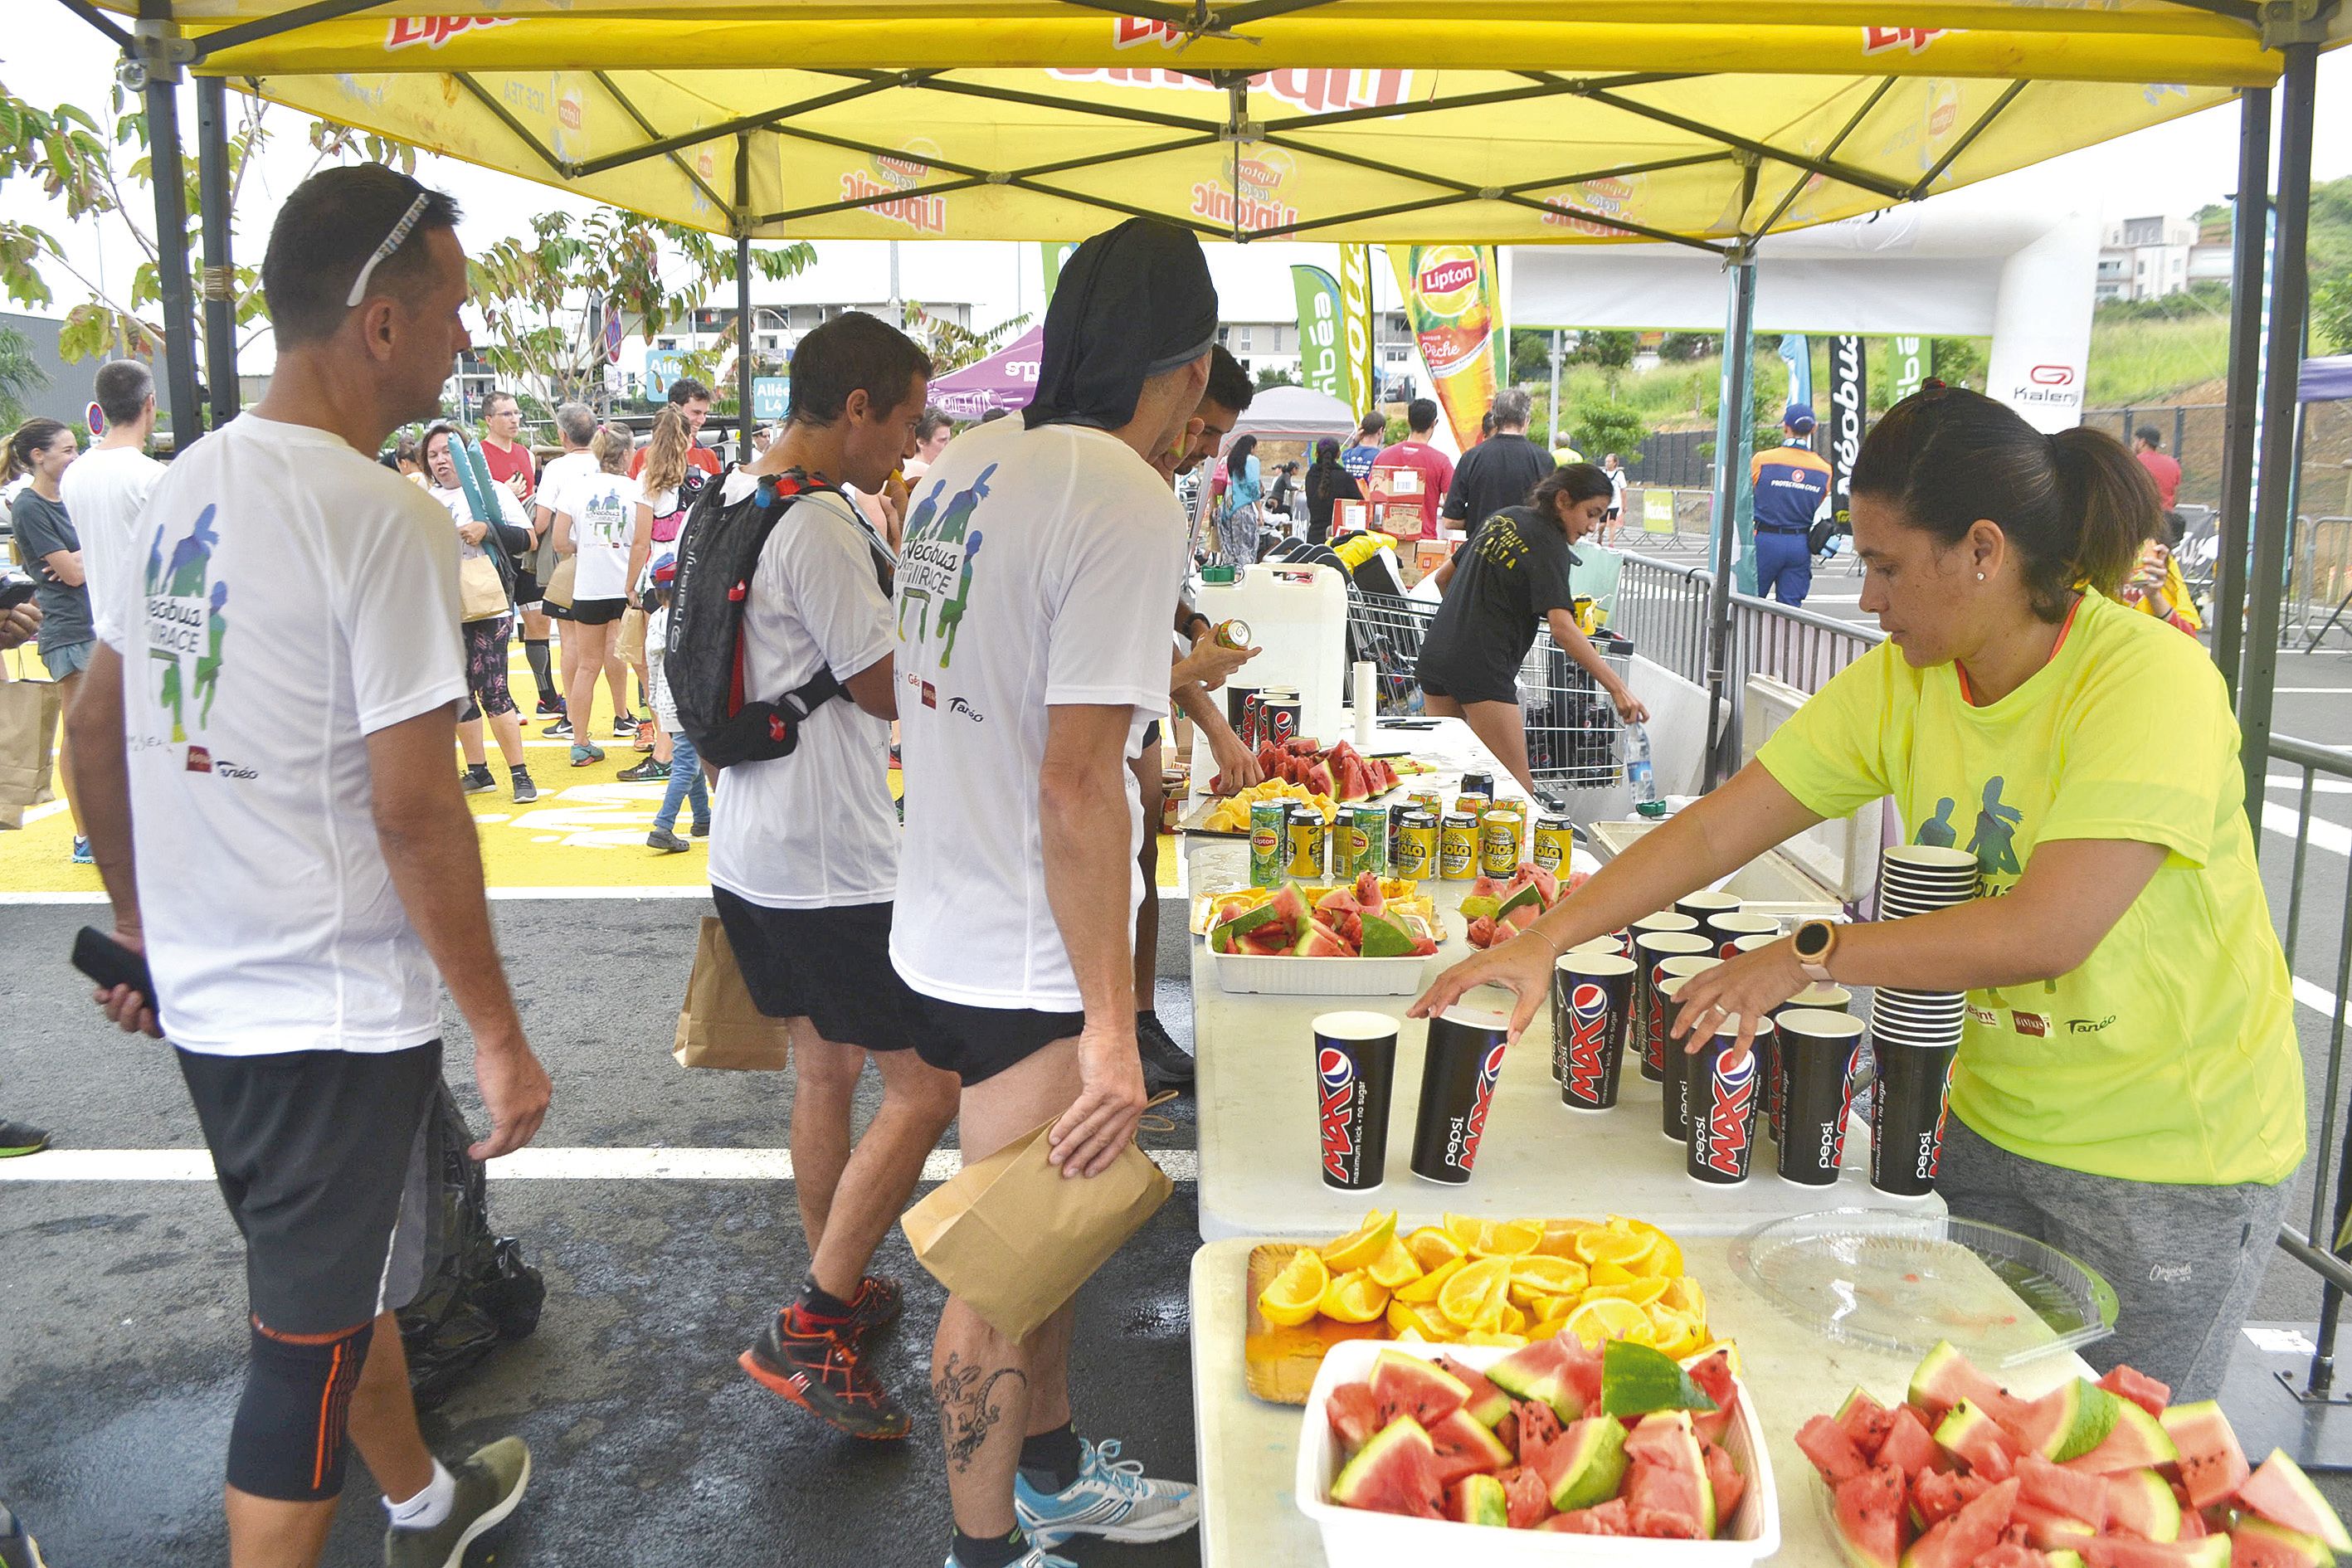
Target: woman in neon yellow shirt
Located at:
point(2129, 1086)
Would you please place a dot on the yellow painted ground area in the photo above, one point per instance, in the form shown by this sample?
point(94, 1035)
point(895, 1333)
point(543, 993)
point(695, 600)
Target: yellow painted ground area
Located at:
point(587, 829)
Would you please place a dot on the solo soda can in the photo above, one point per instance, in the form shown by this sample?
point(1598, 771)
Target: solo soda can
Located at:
point(1234, 633)
point(1726, 1093)
point(1591, 994)
point(1555, 839)
point(1815, 1050)
point(1674, 1062)
point(1269, 843)
point(1277, 717)
point(1498, 842)
point(1355, 1067)
point(1367, 840)
point(1906, 1116)
point(1308, 852)
point(1457, 849)
point(1457, 1084)
point(1651, 948)
point(1416, 846)
point(1480, 784)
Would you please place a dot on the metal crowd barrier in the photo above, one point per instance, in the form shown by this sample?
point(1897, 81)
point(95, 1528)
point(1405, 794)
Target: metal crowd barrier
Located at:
point(1662, 607)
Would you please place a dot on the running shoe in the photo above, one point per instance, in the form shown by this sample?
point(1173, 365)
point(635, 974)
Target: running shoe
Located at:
point(822, 1374)
point(82, 854)
point(875, 1305)
point(669, 843)
point(525, 791)
point(551, 707)
point(645, 733)
point(19, 1550)
point(646, 771)
point(1112, 1499)
point(583, 753)
point(475, 780)
point(1166, 1064)
point(489, 1484)
point(560, 729)
point(624, 728)
point(1035, 1557)
point(16, 1139)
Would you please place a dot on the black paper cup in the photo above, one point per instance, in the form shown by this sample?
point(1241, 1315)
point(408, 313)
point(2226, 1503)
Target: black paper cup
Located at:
point(1665, 919)
point(1726, 1104)
point(1907, 1106)
point(1457, 1085)
point(1705, 903)
point(1816, 1049)
point(1355, 1069)
point(1650, 950)
point(1592, 1009)
point(1928, 860)
point(1673, 1060)
point(1826, 998)
point(1728, 927)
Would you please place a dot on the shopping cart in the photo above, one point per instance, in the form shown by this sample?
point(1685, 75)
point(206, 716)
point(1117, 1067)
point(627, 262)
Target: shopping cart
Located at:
point(1574, 741)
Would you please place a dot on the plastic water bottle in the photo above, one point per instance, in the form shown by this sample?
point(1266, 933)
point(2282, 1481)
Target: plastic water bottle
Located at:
point(1638, 773)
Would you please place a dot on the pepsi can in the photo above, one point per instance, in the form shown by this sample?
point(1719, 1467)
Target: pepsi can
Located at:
point(1727, 1092)
point(1591, 997)
point(1355, 1067)
point(1457, 1086)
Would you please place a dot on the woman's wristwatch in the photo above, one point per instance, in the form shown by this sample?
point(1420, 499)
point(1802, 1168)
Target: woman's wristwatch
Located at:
point(1815, 941)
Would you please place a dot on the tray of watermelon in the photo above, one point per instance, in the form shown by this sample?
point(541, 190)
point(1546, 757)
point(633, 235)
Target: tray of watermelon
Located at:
point(1342, 773)
point(2112, 1474)
point(1554, 1452)
point(1345, 942)
point(1500, 909)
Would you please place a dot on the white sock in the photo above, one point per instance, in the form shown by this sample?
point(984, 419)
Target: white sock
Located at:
point(427, 1508)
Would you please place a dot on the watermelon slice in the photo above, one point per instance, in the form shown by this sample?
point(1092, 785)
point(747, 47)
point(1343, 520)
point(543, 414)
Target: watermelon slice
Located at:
point(1267, 942)
point(1242, 919)
point(1384, 777)
point(1547, 886)
point(1482, 931)
point(1715, 1380)
point(2068, 1493)
point(2139, 1388)
point(1477, 1499)
point(1936, 1495)
point(2140, 1503)
point(2213, 1466)
point(1667, 1494)
point(2137, 1443)
point(1723, 1479)
point(1485, 1402)
point(1383, 938)
point(1908, 1445)
point(1338, 901)
point(1317, 779)
point(2048, 1529)
point(1612, 1518)
point(2122, 1551)
point(2010, 1555)
point(1320, 941)
point(1465, 1449)
point(1368, 897)
point(1962, 1540)
point(1870, 1518)
point(1511, 922)
point(1354, 1415)
point(1407, 1385)
point(2283, 1494)
point(1523, 897)
point(1825, 1442)
point(1538, 1429)
point(2066, 1423)
point(2256, 1542)
point(1396, 1472)
point(1290, 908)
point(1945, 1377)
point(1584, 1467)
point(1977, 1441)
point(1866, 1422)
point(1524, 1496)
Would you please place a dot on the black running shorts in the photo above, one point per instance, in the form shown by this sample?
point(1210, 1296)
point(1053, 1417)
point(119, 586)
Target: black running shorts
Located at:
point(977, 1043)
point(320, 1154)
point(831, 966)
point(597, 612)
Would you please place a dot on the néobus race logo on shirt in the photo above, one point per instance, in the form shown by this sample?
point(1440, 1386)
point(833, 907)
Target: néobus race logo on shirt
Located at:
point(187, 626)
point(935, 566)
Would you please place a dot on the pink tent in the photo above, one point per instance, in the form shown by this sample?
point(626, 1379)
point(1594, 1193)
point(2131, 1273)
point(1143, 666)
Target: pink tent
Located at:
point(1007, 379)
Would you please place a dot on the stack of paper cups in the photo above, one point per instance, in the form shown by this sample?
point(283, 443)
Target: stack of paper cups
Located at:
point(1914, 1034)
point(1368, 702)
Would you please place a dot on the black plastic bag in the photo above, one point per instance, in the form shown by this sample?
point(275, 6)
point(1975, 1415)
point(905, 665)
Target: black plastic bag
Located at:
point(478, 1292)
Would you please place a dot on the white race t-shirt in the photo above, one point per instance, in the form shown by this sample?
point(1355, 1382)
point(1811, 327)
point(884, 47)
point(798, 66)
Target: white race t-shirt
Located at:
point(104, 491)
point(550, 485)
point(288, 598)
point(461, 512)
point(604, 511)
point(816, 829)
point(1034, 572)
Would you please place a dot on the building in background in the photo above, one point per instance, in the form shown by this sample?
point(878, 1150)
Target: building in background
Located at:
point(2149, 258)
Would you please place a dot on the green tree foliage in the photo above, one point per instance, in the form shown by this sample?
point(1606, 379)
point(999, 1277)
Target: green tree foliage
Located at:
point(1597, 427)
point(1277, 375)
point(954, 346)
point(20, 376)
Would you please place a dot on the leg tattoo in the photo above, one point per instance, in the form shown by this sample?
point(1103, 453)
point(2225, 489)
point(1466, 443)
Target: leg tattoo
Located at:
point(966, 1414)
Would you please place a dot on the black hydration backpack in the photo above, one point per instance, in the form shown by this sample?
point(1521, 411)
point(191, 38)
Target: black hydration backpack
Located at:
point(718, 552)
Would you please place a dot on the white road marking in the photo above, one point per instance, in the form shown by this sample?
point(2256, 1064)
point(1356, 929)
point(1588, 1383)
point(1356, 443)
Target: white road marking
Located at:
point(522, 1165)
point(2318, 787)
point(2332, 836)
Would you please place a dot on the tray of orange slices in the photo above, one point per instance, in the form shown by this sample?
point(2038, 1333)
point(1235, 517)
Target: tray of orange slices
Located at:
point(1465, 1281)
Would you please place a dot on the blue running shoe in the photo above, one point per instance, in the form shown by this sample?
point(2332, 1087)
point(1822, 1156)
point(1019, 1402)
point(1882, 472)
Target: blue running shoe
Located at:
point(1035, 1557)
point(82, 854)
point(1112, 1499)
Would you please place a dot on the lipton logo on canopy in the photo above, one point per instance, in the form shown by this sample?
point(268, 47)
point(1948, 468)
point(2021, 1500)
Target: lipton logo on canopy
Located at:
point(434, 31)
point(901, 171)
point(1317, 92)
point(1611, 196)
point(1883, 40)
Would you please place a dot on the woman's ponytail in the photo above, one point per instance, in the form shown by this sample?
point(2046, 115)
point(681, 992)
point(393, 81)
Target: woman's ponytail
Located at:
point(2112, 502)
point(32, 437)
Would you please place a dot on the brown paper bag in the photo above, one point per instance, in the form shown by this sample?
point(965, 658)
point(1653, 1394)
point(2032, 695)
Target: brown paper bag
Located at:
point(719, 1026)
point(633, 636)
point(28, 733)
point(1014, 1238)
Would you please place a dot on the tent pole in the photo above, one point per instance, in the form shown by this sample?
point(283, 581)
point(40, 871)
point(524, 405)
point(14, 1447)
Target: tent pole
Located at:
point(2247, 224)
point(171, 238)
point(1733, 418)
point(220, 272)
point(744, 299)
point(2274, 499)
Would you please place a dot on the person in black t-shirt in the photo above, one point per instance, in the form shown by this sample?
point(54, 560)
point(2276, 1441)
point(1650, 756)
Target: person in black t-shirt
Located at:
point(1500, 585)
point(1500, 471)
point(1328, 483)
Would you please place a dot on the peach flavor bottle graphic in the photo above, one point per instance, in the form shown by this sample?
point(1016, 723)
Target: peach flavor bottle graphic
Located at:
point(1448, 293)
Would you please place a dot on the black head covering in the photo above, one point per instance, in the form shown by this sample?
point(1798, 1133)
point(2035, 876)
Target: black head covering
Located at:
point(1130, 304)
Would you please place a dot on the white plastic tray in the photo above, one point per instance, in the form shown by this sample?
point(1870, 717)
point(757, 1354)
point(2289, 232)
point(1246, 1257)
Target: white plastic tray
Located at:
point(1279, 975)
point(1358, 1539)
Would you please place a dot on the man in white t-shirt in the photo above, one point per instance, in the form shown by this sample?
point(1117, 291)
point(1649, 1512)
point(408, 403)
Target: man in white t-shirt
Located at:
point(263, 752)
point(107, 488)
point(804, 862)
point(575, 426)
point(1032, 621)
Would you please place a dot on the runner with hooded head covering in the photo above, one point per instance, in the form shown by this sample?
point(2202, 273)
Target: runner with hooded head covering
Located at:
point(1131, 304)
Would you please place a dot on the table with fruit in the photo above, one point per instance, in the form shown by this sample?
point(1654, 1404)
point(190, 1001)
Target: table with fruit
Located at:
point(1548, 1297)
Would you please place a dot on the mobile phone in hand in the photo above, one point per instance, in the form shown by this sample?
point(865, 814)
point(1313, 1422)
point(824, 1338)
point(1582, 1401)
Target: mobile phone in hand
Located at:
point(110, 963)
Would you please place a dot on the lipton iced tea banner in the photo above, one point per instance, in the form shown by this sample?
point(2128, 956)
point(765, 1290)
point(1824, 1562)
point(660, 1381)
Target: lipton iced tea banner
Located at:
point(1450, 303)
point(1322, 339)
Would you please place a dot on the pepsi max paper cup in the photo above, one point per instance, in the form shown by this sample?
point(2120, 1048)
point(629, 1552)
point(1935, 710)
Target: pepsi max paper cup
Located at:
point(1672, 1059)
point(1816, 1051)
point(1651, 949)
point(1726, 1097)
point(1457, 1085)
point(1906, 1116)
point(1592, 1003)
point(1355, 1067)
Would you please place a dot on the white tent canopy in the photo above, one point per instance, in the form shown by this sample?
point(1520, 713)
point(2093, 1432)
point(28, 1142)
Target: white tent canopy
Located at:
point(1296, 413)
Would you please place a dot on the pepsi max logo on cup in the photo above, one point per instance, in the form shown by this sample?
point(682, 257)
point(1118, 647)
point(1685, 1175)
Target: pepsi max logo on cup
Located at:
point(1338, 1075)
point(1489, 1070)
point(1588, 1040)
point(1732, 1091)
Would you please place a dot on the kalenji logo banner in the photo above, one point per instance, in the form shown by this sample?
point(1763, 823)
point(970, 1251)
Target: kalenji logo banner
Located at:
point(1450, 299)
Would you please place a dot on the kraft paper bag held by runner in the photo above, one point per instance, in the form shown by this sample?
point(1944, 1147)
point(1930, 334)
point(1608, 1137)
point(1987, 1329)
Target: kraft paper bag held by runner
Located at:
point(1014, 1238)
point(719, 1026)
point(29, 728)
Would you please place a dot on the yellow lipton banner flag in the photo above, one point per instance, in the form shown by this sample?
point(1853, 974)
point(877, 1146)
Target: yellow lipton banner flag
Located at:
point(1356, 311)
point(1450, 302)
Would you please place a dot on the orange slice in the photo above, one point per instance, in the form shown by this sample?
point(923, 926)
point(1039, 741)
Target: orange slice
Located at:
point(1475, 1293)
point(1361, 1247)
point(1354, 1298)
point(1600, 1321)
point(1623, 1248)
point(1683, 1295)
point(1559, 1237)
point(1394, 1268)
point(1490, 1337)
point(1640, 1292)
point(1426, 1289)
point(1665, 1258)
point(1295, 1295)
point(1404, 1319)
point(1536, 1275)
point(1430, 1245)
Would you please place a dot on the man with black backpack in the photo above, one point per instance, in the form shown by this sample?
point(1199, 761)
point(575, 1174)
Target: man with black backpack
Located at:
point(782, 596)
